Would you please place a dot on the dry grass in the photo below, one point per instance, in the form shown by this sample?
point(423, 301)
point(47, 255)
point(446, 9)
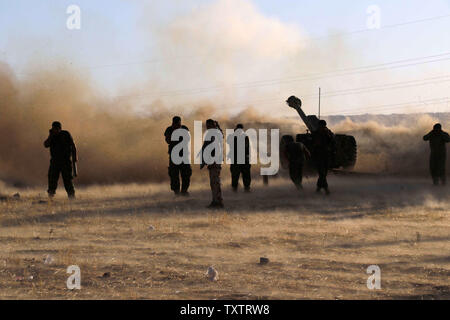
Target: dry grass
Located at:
point(319, 247)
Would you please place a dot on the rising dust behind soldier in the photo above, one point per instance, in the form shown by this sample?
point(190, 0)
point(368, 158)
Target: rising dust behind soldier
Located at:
point(213, 168)
point(175, 170)
point(438, 155)
point(63, 152)
point(323, 148)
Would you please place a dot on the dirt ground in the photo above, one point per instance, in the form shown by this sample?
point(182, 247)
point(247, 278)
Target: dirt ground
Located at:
point(142, 242)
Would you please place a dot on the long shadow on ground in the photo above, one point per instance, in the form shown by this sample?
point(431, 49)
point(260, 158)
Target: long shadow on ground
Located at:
point(351, 199)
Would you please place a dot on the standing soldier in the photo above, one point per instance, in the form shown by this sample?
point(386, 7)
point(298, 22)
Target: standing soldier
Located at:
point(438, 139)
point(237, 168)
point(62, 149)
point(214, 169)
point(296, 154)
point(323, 148)
point(175, 170)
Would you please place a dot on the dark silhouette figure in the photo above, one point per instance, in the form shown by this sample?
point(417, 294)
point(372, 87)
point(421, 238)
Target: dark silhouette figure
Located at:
point(214, 169)
point(323, 149)
point(63, 155)
point(438, 155)
point(296, 154)
point(240, 168)
point(175, 170)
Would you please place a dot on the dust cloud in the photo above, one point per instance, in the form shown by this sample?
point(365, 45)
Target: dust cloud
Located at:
point(116, 145)
point(394, 150)
point(228, 48)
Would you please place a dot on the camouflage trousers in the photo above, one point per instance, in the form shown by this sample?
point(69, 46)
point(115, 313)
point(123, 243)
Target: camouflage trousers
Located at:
point(65, 169)
point(437, 167)
point(214, 182)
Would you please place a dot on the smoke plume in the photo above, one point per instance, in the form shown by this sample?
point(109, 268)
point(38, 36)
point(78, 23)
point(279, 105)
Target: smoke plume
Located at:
point(116, 145)
point(216, 61)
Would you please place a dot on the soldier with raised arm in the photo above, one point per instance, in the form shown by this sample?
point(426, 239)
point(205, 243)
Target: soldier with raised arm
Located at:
point(63, 158)
point(437, 138)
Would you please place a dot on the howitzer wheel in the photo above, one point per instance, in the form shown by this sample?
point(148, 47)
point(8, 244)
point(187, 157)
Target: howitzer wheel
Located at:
point(347, 151)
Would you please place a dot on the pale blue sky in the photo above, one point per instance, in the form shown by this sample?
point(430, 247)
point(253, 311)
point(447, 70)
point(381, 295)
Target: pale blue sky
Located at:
point(118, 32)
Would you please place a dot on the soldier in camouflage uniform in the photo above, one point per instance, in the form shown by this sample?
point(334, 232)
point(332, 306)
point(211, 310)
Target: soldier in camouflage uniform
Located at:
point(214, 169)
point(63, 152)
point(437, 139)
point(175, 170)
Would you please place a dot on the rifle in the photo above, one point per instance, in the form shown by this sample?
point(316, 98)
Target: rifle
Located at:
point(74, 169)
point(74, 163)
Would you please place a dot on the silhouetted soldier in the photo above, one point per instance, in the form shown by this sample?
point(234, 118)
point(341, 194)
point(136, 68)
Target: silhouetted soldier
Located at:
point(175, 170)
point(214, 169)
point(62, 149)
point(240, 168)
point(323, 148)
point(296, 154)
point(438, 139)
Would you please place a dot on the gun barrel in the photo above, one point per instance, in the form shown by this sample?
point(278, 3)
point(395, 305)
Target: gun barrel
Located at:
point(311, 127)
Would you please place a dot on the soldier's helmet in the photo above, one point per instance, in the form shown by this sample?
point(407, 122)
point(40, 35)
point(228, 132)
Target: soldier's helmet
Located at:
point(176, 119)
point(56, 124)
point(322, 123)
point(437, 127)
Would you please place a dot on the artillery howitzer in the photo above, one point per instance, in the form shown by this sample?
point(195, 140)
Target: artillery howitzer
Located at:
point(345, 151)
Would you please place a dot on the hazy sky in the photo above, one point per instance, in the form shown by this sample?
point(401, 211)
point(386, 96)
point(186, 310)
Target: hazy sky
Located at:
point(127, 46)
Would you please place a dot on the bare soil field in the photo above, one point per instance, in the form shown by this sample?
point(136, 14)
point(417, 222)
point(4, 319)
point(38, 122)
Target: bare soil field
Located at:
point(142, 242)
